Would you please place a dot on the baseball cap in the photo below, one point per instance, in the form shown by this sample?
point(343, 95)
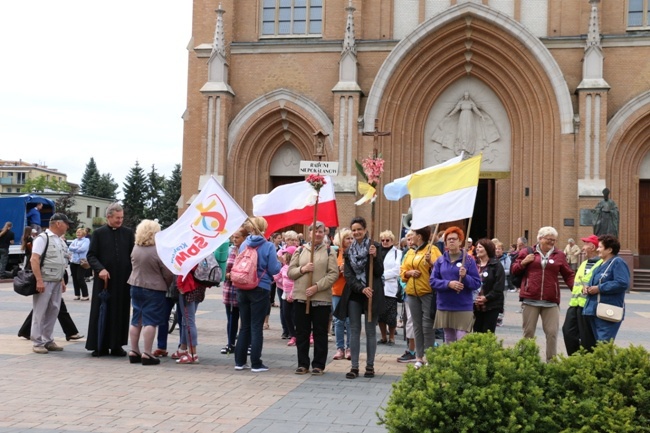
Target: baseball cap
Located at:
point(290, 249)
point(592, 239)
point(60, 217)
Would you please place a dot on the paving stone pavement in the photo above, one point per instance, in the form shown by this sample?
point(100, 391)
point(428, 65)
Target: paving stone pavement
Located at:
point(70, 391)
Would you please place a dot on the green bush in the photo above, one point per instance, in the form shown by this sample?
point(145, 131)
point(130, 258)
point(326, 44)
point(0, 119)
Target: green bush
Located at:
point(476, 385)
point(604, 391)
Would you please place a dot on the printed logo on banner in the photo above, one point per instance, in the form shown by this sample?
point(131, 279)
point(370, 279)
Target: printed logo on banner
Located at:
point(212, 218)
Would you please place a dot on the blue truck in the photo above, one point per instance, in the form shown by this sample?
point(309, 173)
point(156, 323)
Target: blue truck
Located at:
point(14, 208)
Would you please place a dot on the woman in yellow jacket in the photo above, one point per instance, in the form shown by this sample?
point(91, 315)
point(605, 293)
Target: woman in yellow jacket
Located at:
point(415, 272)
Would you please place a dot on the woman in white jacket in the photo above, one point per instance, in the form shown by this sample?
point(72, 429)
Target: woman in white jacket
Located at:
point(392, 259)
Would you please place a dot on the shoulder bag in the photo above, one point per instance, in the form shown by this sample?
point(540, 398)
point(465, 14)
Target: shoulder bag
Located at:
point(611, 313)
point(25, 281)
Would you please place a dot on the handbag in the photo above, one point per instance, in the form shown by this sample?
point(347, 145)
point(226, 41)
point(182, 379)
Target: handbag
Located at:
point(25, 281)
point(611, 313)
point(84, 263)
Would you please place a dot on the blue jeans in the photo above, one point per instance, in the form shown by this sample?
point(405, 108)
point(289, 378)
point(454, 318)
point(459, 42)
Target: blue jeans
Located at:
point(188, 311)
point(341, 327)
point(355, 311)
point(163, 327)
point(253, 306)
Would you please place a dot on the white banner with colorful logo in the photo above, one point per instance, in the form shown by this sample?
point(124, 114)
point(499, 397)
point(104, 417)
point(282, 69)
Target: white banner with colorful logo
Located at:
point(210, 220)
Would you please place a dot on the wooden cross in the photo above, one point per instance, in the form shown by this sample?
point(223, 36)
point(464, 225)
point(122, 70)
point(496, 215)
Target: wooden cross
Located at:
point(376, 134)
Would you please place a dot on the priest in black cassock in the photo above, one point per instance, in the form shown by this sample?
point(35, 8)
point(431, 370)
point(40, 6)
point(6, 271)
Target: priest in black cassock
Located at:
point(109, 256)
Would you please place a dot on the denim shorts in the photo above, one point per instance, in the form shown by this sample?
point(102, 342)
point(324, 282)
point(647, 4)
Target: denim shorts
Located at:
point(148, 307)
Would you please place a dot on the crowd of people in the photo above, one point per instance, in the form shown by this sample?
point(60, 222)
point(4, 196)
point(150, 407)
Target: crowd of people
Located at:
point(444, 284)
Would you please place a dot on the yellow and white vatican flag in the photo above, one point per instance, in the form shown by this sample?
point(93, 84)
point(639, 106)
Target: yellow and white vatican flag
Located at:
point(399, 187)
point(209, 221)
point(445, 193)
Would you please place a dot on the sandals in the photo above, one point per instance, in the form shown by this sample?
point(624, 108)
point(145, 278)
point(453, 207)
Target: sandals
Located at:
point(149, 359)
point(370, 372)
point(301, 370)
point(134, 357)
point(317, 372)
point(382, 341)
point(352, 374)
point(188, 359)
point(179, 354)
point(160, 353)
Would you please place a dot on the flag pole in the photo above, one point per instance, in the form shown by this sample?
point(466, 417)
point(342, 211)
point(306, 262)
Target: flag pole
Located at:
point(311, 253)
point(433, 235)
point(469, 227)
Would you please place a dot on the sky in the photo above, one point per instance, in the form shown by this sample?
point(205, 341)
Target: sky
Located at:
point(84, 78)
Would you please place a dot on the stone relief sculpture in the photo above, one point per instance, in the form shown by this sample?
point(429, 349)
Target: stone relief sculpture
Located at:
point(466, 128)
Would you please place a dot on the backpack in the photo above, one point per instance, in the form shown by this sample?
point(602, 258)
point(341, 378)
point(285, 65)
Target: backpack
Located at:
point(243, 274)
point(516, 280)
point(208, 272)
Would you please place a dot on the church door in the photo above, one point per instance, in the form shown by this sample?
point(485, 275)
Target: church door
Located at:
point(644, 218)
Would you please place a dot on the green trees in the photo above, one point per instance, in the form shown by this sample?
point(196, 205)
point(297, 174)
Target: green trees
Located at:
point(146, 195)
point(151, 196)
point(64, 204)
point(41, 184)
point(90, 179)
point(96, 184)
point(171, 192)
point(135, 194)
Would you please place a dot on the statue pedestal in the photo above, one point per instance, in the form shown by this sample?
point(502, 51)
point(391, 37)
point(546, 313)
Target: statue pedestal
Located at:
point(629, 259)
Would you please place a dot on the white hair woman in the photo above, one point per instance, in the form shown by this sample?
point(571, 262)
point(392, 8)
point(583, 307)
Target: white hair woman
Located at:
point(392, 260)
point(540, 288)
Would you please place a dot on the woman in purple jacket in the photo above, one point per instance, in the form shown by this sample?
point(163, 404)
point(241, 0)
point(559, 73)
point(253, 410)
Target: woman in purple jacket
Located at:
point(455, 277)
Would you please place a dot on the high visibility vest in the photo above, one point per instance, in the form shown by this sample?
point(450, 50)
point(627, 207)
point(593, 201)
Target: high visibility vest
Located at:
point(581, 279)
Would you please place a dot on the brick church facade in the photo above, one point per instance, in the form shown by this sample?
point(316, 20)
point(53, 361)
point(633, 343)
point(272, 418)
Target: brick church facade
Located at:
point(554, 93)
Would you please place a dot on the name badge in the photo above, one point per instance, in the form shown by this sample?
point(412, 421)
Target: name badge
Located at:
point(551, 261)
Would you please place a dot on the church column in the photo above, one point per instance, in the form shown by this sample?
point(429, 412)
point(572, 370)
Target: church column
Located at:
point(347, 95)
point(591, 137)
point(218, 99)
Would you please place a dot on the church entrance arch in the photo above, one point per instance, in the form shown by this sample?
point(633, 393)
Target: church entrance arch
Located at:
point(469, 68)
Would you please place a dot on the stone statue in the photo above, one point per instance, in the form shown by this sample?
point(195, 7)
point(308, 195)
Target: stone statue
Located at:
point(320, 147)
point(466, 128)
point(606, 216)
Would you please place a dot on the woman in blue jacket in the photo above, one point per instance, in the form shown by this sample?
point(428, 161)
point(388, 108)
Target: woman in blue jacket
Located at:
point(608, 285)
point(254, 303)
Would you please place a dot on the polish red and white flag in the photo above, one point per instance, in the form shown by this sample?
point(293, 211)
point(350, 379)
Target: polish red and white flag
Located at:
point(294, 204)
